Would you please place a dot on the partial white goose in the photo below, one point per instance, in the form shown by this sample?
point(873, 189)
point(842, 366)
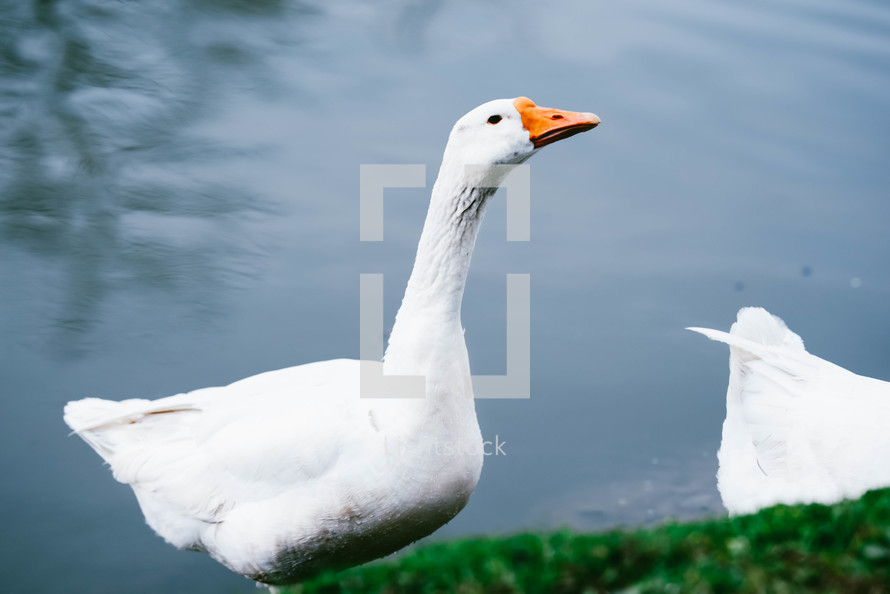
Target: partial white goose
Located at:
point(291, 472)
point(798, 429)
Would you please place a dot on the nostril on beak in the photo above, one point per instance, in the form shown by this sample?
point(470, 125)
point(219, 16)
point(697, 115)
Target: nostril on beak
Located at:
point(556, 116)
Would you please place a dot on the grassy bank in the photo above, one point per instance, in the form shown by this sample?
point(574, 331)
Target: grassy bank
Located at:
point(841, 548)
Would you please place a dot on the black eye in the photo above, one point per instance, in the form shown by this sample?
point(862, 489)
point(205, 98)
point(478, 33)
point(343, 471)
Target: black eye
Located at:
point(494, 119)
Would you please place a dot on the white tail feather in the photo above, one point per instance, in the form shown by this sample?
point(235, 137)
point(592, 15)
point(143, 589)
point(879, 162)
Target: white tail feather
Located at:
point(93, 418)
point(756, 332)
point(759, 335)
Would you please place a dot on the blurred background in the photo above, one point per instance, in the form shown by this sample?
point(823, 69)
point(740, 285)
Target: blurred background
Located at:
point(179, 209)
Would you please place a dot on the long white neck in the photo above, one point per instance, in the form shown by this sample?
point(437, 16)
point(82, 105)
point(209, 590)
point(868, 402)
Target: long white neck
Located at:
point(427, 336)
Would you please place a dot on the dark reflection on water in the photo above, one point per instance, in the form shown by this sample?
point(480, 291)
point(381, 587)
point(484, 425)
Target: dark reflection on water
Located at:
point(101, 172)
point(178, 209)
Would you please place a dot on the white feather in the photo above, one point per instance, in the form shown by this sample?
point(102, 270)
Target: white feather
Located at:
point(798, 429)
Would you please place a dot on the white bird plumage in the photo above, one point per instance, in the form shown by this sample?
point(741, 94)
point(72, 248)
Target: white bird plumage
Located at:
point(798, 429)
point(290, 472)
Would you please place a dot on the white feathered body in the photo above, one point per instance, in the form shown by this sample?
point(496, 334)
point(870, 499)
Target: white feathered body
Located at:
point(289, 472)
point(798, 429)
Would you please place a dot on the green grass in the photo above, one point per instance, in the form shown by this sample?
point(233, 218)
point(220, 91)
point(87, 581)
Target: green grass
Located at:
point(843, 548)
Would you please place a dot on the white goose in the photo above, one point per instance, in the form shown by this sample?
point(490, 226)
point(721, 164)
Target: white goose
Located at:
point(798, 429)
point(288, 473)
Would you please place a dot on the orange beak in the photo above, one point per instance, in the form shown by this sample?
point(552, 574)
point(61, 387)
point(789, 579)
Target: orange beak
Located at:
point(546, 126)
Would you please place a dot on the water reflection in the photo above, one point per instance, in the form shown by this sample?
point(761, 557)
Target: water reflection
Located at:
point(104, 179)
point(676, 488)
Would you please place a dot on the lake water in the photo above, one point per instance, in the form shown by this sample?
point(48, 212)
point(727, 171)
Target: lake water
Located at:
point(179, 209)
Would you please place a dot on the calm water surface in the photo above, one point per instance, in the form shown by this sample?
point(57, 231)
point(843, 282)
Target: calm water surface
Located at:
point(179, 209)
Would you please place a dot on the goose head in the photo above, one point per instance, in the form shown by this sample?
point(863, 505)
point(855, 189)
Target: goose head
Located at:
point(509, 131)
